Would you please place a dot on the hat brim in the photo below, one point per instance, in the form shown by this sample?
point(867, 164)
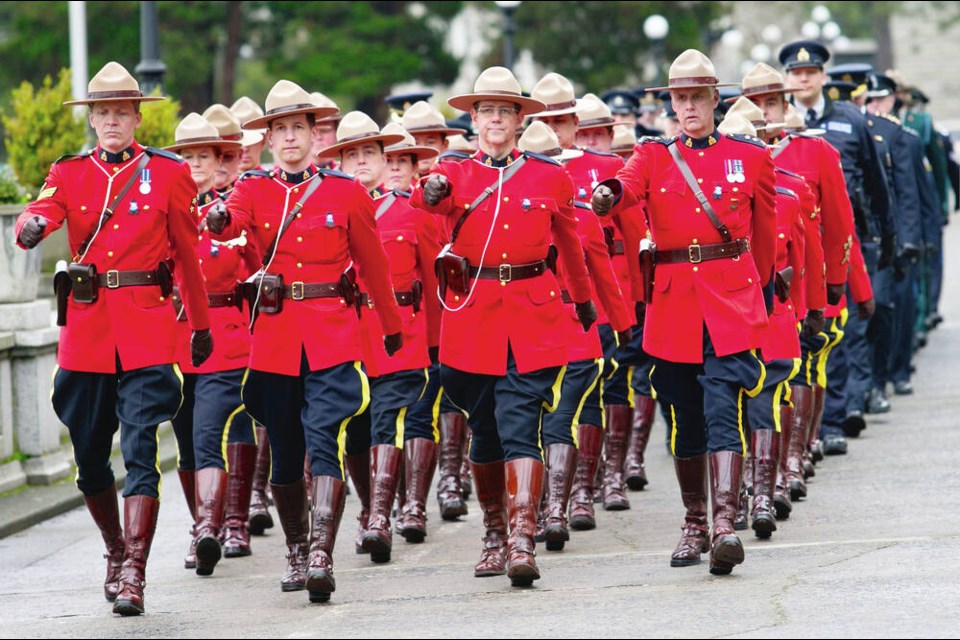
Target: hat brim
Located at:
point(803, 65)
point(569, 154)
point(444, 131)
point(695, 86)
point(622, 149)
point(771, 125)
point(758, 93)
point(72, 103)
point(220, 144)
point(421, 153)
point(806, 132)
point(600, 123)
point(561, 112)
point(386, 139)
point(263, 122)
point(252, 137)
point(465, 102)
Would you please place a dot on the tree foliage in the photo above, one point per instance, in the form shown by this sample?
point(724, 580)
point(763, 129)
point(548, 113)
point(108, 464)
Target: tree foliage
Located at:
point(159, 123)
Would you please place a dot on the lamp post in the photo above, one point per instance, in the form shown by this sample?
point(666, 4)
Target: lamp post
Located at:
point(150, 68)
point(656, 28)
point(508, 7)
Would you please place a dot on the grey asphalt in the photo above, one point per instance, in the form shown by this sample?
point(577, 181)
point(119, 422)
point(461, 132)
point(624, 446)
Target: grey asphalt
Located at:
point(873, 552)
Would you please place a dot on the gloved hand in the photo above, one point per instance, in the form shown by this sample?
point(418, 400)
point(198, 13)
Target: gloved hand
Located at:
point(624, 337)
point(434, 353)
point(32, 231)
point(201, 346)
point(910, 252)
point(640, 309)
point(813, 323)
point(217, 218)
point(602, 200)
point(435, 189)
point(888, 251)
point(835, 293)
point(586, 314)
point(781, 286)
point(393, 343)
point(865, 309)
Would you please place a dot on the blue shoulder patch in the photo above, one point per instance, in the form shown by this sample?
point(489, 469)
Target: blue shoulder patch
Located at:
point(541, 157)
point(74, 156)
point(333, 173)
point(163, 153)
point(657, 139)
point(754, 140)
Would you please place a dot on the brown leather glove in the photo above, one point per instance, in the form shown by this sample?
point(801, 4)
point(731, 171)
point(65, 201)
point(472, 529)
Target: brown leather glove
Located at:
point(393, 343)
point(813, 323)
point(835, 293)
point(32, 231)
point(201, 346)
point(602, 200)
point(435, 189)
point(586, 314)
point(217, 218)
point(865, 309)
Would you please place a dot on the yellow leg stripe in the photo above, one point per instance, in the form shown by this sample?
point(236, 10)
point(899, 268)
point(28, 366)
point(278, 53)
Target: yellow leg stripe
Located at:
point(743, 437)
point(435, 422)
point(401, 418)
point(763, 376)
point(653, 392)
point(426, 381)
point(583, 401)
point(226, 434)
point(630, 394)
point(673, 430)
point(364, 403)
point(179, 374)
point(156, 464)
point(555, 391)
point(782, 390)
point(603, 407)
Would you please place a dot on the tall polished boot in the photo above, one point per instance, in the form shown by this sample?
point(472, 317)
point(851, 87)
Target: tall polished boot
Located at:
point(260, 518)
point(385, 462)
point(524, 486)
point(782, 505)
point(644, 411)
point(741, 522)
point(802, 417)
point(491, 485)
point(189, 485)
point(328, 495)
point(211, 487)
point(453, 430)
point(765, 446)
point(466, 480)
point(241, 463)
point(358, 466)
point(291, 502)
point(813, 435)
point(726, 550)
point(103, 508)
point(589, 439)
point(420, 461)
point(561, 463)
point(139, 526)
point(694, 536)
point(619, 419)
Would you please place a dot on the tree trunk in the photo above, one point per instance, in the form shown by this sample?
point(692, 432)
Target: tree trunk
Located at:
point(232, 52)
point(883, 35)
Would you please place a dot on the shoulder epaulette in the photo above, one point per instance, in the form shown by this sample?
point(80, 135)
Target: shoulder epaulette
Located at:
point(912, 131)
point(74, 156)
point(541, 157)
point(163, 153)
point(657, 139)
point(787, 172)
point(600, 153)
point(255, 173)
point(333, 173)
point(787, 192)
point(740, 137)
point(892, 118)
point(453, 154)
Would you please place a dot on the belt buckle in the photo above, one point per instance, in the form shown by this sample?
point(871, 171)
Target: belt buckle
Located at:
point(505, 273)
point(296, 290)
point(113, 279)
point(695, 254)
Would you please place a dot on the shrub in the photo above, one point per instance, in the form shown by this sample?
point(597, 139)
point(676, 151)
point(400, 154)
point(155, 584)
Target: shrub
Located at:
point(10, 190)
point(160, 120)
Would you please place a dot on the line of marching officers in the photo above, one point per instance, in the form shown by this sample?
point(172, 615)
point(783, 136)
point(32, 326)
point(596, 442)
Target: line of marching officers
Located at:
point(383, 301)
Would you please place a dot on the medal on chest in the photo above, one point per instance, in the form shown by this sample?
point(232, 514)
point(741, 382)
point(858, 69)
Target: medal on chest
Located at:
point(734, 171)
point(145, 187)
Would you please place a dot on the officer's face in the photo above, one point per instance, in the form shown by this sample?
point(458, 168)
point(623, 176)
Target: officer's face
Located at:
point(401, 170)
point(291, 141)
point(807, 83)
point(250, 156)
point(325, 136)
point(203, 163)
point(565, 126)
point(496, 122)
point(364, 161)
point(774, 108)
point(228, 170)
point(694, 109)
point(883, 105)
point(596, 139)
point(115, 124)
point(436, 141)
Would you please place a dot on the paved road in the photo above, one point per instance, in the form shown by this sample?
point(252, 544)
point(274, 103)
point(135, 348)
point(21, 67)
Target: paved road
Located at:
point(871, 553)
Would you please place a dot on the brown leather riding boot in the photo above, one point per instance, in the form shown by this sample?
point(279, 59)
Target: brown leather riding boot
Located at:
point(726, 550)
point(189, 485)
point(358, 466)
point(453, 429)
point(106, 514)
point(524, 486)
point(328, 496)
point(139, 525)
point(491, 485)
point(782, 505)
point(291, 502)
point(241, 462)
point(619, 419)
point(644, 411)
point(466, 480)
point(260, 518)
point(765, 446)
point(420, 460)
point(211, 487)
point(802, 415)
point(694, 536)
point(741, 522)
point(384, 475)
point(561, 462)
point(589, 440)
point(400, 498)
point(813, 435)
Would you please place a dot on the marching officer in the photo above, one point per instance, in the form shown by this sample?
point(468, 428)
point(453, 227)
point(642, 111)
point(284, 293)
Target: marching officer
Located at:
point(129, 209)
point(624, 140)
point(429, 129)
point(326, 130)
point(501, 356)
point(714, 258)
point(306, 380)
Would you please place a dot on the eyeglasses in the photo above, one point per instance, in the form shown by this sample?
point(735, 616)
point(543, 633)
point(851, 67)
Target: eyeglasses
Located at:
point(502, 112)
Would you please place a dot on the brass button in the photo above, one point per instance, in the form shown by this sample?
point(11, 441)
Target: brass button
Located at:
point(299, 215)
point(696, 268)
point(146, 208)
point(115, 227)
point(83, 207)
point(698, 209)
point(695, 241)
point(299, 238)
point(109, 254)
point(200, 260)
point(162, 298)
point(506, 198)
point(503, 284)
point(782, 236)
point(456, 298)
point(543, 206)
point(553, 294)
point(296, 189)
point(115, 169)
point(506, 226)
point(750, 280)
point(662, 190)
point(399, 238)
point(266, 225)
point(736, 189)
point(699, 180)
point(299, 265)
point(503, 255)
point(700, 154)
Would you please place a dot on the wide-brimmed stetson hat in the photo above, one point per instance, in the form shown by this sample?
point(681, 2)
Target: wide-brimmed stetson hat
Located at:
point(459, 143)
point(408, 145)
point(288, 99)
point(358, 128)
point(737, 124)
point(690, 70)
point(420, 117)
point(113, 83)
point(557, 93)
point(793, 121)
point(624, 139)
point(196, 131)
point(540, 138)
point(497, 83)
point(744, 108)
point(228, 124)
point(594, 113)
point(323, 101)
point(761, 80)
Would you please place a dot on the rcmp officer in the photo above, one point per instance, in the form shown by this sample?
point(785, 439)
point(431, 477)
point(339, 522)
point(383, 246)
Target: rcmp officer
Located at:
point(704, 343)
point(501, 356)
point(128, 209)
point(326, 130)
point(246, 109)
point(305, 381)
point(624, 140)
point(429, 129)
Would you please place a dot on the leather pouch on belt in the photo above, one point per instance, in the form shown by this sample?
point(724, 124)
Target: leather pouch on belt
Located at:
point(271, 292)
point(83, 282)
point(61, 289)
point(453, 271)
point(647, 267)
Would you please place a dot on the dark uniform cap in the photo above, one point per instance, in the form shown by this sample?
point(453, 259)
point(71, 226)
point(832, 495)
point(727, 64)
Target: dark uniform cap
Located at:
point(839, 90)
point(648, 99)
point(803, 53)
point(668, 111)
point(621, 101)
point(464, 121)
point(881, 86)
point(728, 96)
point(400, 101)
point(919, 96)
point(856, 72)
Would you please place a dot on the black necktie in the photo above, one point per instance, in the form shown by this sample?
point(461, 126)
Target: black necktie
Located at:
point(811, 117)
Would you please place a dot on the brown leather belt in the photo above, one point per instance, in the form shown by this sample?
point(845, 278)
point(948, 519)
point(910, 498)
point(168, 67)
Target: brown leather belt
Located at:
point(507, 272)
point(114, 279)
point(225, 299)
point(404, 299)
point(617, 249)
point(308, 290)
point(696, 253)
point(565, 296)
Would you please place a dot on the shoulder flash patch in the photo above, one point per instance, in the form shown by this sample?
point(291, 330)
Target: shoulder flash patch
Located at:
point(787, 172)
point(787, 192)
point(255, 173)
point(754, 140)
point(333, 173)
point(541, 157)
point(74, 156)
point(892, 118)
point(600, 153)
point(163, 153)
point(657, 139)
